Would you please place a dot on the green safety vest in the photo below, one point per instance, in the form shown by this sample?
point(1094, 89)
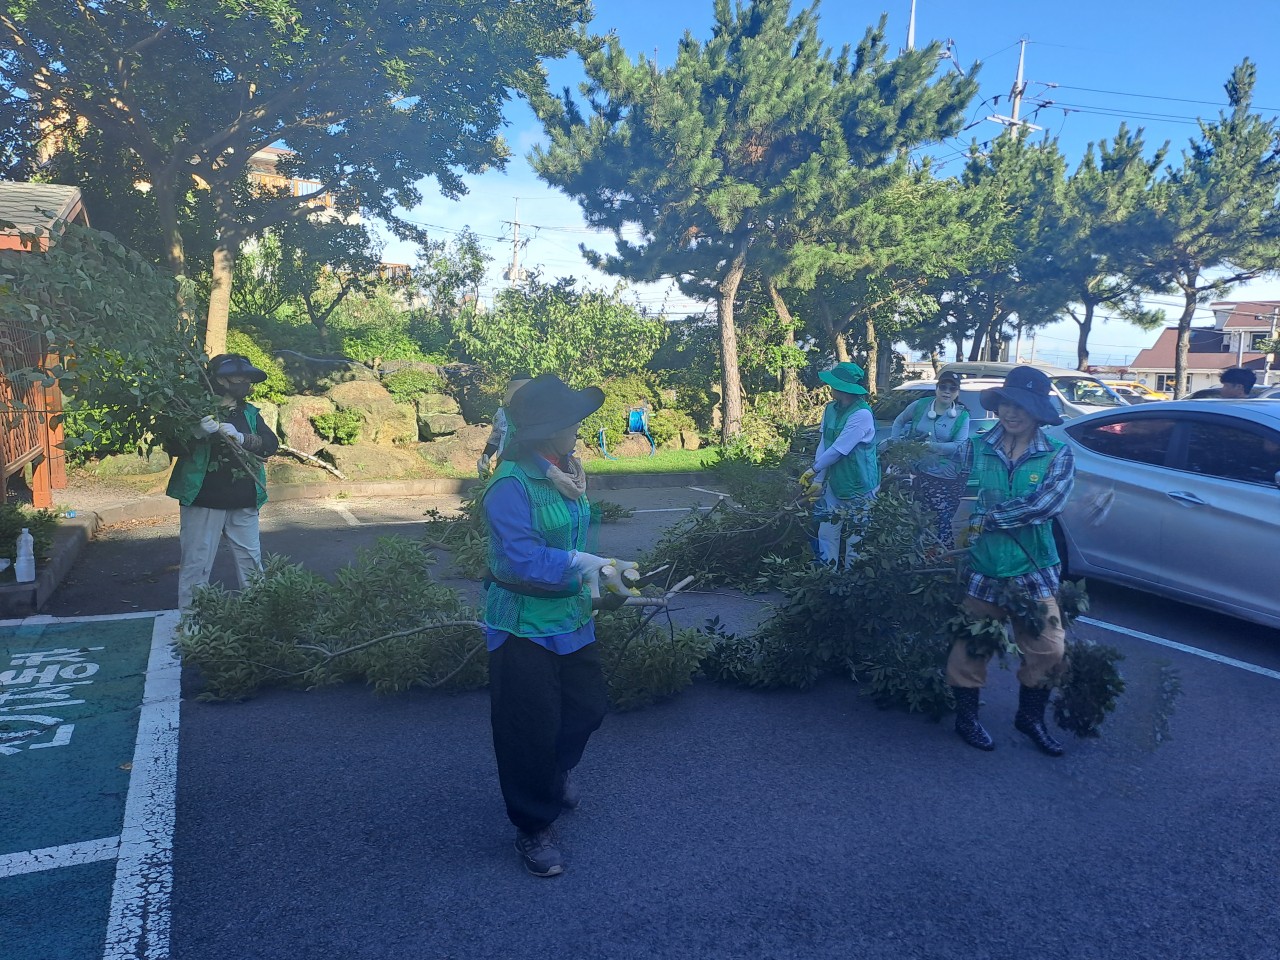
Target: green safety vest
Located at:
point(1011, 553)
point(519, 613)
point(858, 473)
point(189, 471)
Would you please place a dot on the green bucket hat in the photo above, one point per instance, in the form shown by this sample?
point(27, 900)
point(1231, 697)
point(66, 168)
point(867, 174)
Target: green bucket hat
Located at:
point(846, 377)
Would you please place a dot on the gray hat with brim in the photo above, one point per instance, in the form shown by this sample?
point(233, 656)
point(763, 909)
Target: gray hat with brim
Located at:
point(1024, 387)
point(845, 377)
point(546, 405)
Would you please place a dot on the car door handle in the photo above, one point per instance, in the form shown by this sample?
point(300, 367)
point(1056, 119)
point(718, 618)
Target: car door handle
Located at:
point(1184, 497)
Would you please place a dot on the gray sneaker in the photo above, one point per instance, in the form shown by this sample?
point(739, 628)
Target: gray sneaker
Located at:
point(539, 852)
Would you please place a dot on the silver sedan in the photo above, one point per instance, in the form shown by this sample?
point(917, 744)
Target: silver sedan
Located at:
point(1179, 498)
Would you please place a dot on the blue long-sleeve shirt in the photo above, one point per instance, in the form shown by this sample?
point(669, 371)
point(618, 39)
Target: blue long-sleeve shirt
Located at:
point(510, 518)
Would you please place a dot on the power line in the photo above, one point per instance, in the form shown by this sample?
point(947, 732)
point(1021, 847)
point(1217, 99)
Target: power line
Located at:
point(1152, 96)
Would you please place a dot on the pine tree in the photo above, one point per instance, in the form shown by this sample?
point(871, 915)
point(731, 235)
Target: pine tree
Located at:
point(1215, 221)
point(720, 160)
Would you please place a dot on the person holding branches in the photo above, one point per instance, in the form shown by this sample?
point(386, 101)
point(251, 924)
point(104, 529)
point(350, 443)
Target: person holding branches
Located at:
point(1024, 479)
point(845, 474)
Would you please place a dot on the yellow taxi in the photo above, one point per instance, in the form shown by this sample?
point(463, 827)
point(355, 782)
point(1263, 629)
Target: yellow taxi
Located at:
point(1132, 390)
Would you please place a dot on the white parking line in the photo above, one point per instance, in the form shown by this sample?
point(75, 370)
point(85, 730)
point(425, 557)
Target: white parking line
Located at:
point(1174, 645)
point(351, 519)
point(714, 493)
point(139, 923)
point(67, 855)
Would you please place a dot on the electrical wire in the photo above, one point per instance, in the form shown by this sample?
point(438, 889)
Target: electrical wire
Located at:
point(1152, 96)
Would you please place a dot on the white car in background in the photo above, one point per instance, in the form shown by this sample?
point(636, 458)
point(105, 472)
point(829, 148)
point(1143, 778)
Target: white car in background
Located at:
point(1075, 392)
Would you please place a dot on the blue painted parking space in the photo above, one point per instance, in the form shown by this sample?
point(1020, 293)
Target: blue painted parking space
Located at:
point(88, 741)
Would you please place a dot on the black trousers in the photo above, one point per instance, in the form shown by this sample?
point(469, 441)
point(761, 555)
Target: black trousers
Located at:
point(543, 707)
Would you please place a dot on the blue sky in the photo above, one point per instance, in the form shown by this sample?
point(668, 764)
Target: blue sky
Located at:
point(1089, 64)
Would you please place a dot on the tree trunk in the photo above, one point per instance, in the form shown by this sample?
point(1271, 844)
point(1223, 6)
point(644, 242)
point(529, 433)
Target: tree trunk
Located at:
point(790, 381)
point(1082, 345)
point(167, 211)
point(872, 341)
point(215, 332)
point(730, 375)
point(1184, 340)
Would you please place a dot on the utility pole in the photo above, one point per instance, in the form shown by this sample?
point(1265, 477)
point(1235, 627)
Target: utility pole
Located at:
point(515, 273)
point(911, 27)
point(1015, 96)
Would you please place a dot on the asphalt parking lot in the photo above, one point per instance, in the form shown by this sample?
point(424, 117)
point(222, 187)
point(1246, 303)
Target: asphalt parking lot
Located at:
point(724, 823)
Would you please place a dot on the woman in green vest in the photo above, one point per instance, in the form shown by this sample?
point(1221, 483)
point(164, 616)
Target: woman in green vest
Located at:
point(1024, 479)
point(845, 474)
point(941, 423)
point(547, 691)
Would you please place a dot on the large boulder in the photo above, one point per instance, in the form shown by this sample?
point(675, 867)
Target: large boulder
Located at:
point(460, 450)
point(295, 428)
point(269, 414)
point(387, 422)
point(131, 465)
point(354, 393)
point(432, 426)
point(430, 403)
point(316, 374)
point(374, 461)
point(631, 445)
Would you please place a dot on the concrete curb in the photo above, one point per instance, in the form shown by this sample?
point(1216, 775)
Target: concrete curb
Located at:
point(25, 599)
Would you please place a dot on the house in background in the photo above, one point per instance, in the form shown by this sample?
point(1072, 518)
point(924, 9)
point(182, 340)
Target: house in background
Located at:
point(1232, 341)
point(26, 435)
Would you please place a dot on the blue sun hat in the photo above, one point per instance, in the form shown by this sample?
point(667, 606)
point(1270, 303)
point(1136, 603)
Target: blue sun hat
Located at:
point(845, 377)
point(1025, 387)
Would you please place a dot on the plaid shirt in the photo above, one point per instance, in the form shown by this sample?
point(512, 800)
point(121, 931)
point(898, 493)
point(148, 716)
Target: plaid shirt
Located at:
point(1039, 506)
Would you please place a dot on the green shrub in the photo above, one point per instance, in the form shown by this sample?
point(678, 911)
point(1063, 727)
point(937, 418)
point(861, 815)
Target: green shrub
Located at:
point(667, 423)
point(41, 524)
point(277, 386)
point(408, 385)
point(341, 426)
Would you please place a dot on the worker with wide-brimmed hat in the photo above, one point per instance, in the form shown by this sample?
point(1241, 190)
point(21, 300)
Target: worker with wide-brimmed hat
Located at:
point(845, 474)
point(500, 433)
point(220, 479)
point(547, 690)
point(1024, 478)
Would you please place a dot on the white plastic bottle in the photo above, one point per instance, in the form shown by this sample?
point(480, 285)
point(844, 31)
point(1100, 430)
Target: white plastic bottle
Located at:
point(24, 568)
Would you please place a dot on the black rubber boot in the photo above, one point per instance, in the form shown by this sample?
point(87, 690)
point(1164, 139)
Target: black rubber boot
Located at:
point(967, 725)
point(1030, 719)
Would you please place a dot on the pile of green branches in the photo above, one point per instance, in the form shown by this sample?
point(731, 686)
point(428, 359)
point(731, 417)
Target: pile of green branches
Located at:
point(383, 620)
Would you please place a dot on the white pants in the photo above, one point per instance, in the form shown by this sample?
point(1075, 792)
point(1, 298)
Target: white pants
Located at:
point(199, 532)
point(848, 515)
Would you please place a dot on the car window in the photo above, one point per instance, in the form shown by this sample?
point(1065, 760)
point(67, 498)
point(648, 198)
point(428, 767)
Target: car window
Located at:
point(1141, 439)
point(1217, 450)
point(887, 406)
point(1084, 390)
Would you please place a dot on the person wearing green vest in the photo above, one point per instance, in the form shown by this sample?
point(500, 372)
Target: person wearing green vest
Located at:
point(500, 434)
point(219, 478)
point(845, 474)
point(546, 687)
point(1024, 479)
point(941, 423)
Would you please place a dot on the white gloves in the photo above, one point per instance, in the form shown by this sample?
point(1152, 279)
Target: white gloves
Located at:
point(615, 574)
point(209, 426)
point(230, 432)
point(483, 467)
